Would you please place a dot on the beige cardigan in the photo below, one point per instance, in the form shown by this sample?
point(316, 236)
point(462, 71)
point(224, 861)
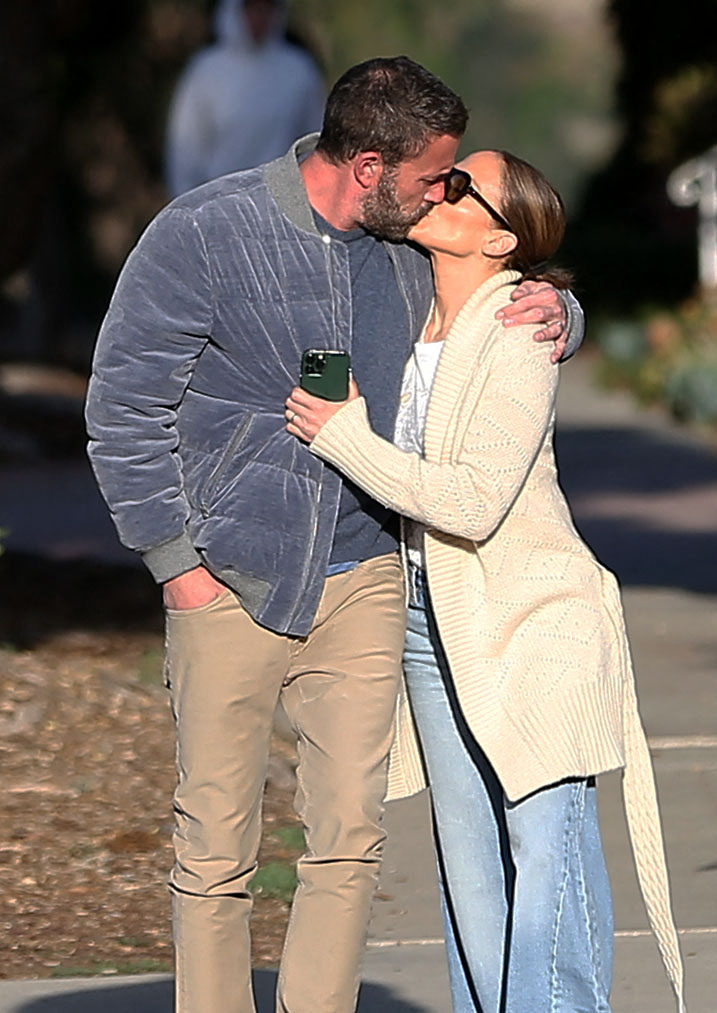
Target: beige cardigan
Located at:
point(530, 622)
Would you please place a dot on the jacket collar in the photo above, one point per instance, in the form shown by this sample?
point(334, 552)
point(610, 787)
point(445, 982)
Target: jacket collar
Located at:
point(284, 180)
point(286, 185)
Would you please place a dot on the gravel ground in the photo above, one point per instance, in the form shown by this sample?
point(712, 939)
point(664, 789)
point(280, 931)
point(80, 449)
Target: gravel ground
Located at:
point(87, 754)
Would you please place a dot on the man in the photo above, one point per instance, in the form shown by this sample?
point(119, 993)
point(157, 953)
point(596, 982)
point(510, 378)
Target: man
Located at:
point(279, 578)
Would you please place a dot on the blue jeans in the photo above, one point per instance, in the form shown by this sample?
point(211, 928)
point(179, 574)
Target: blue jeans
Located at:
point(526, 898)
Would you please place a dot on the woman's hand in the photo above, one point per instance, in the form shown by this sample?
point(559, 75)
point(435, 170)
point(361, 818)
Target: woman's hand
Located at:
point(306, 414)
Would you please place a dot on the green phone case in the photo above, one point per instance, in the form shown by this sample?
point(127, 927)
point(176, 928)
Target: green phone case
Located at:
point(325, 373)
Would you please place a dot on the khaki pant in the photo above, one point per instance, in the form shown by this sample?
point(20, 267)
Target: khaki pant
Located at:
point(338, 686)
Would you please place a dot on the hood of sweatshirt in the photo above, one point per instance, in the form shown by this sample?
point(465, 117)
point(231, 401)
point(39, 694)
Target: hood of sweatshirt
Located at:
point(231, 28)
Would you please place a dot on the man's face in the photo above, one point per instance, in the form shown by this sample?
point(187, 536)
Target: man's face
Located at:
point(261, 17)
point(404, 194)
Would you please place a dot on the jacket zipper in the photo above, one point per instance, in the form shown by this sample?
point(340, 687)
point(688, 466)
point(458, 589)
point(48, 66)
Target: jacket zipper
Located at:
point(402, 289)
point(212, 482)
point(328, 243)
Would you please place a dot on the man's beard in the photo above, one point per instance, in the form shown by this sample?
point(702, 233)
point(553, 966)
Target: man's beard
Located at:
point(383, 215)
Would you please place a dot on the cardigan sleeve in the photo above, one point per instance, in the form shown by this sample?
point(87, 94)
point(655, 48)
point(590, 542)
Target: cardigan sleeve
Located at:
point(469, 495)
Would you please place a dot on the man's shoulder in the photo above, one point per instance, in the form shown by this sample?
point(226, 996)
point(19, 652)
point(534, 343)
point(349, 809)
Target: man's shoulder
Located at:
point(239, 208)
point(217, 194)
point(237, 203)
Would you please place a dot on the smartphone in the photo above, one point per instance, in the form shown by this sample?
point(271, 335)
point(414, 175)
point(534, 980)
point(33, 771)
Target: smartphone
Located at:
point(325, 373)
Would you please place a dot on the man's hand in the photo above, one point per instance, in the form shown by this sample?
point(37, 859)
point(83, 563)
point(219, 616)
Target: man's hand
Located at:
point(191, 590)
point(306, 414)
point(538, 302)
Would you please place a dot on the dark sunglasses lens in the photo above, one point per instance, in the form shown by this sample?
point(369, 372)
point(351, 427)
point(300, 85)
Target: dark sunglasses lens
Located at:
point(456, 186)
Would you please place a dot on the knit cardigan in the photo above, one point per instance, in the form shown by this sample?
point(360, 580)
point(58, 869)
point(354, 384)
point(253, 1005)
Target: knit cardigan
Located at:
point(530, 622)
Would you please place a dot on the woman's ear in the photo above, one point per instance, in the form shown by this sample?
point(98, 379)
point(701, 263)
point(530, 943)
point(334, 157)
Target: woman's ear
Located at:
point(368, 169)
point(498, 243)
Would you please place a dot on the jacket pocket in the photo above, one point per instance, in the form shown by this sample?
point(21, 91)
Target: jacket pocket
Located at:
point(208, 606)
point(262, 522)
point(217, 473)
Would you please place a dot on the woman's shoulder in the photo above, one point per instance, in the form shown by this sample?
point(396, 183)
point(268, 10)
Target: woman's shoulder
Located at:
point(478, 311)
point(509, 356)
point(476, 323)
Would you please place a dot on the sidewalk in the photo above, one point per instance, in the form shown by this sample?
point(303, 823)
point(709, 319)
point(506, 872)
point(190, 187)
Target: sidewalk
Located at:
point(645, 496)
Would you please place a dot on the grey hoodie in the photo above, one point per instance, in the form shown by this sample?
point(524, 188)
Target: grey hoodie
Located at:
point(239, 103)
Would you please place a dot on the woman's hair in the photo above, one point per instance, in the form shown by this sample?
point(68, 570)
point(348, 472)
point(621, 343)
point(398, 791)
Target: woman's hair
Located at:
point(391, 105)
point(534, 210)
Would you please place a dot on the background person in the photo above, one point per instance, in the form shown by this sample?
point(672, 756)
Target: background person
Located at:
point(517, 662)
point(243, 100)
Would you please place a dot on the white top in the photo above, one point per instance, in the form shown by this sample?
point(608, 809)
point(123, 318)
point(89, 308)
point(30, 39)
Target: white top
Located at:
point(411, 422)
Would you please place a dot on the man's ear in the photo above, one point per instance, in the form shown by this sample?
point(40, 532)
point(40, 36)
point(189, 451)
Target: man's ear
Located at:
point(368, 169)
point(499, 243)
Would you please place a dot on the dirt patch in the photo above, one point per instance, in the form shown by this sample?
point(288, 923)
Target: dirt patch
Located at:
point(87, 754)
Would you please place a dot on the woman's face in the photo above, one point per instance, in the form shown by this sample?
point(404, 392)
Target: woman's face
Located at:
point(462, 228)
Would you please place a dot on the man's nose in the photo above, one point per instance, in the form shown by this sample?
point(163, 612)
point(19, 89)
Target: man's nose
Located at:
point(436, 192)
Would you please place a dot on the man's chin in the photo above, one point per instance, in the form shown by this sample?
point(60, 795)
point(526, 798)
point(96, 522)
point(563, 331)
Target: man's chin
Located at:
point(393, 227)
point(415, 226)
point(394, 232)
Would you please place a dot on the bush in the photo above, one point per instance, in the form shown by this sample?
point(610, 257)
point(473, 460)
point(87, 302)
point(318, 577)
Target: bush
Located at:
point(669, 357)
point(691, 391)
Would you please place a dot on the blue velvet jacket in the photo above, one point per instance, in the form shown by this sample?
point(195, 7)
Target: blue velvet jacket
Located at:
point(197, 353)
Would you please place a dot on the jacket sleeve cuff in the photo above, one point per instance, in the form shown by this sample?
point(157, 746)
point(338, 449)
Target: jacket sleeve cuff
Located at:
point(172, 558)
point(575, 319)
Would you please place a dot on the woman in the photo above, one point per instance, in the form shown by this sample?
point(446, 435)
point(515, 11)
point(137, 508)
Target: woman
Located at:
point(516, 660)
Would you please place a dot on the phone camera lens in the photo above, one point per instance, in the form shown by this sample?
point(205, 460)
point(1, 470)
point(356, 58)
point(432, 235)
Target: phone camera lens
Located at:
point(315, 363)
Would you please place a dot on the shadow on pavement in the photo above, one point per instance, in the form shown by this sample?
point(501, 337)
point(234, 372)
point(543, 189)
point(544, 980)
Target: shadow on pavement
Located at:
point(650, 488)
point(157, 997)
point(632, 460)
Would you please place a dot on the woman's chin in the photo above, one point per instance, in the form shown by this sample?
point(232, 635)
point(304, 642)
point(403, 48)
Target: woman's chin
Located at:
point(421, 231)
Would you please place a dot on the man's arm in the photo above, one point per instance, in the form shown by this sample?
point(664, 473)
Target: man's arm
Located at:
point(155, 329)
point(557, 309)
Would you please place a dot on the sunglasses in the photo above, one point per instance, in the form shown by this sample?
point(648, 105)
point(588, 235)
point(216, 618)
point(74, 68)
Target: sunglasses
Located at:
point(458, 183)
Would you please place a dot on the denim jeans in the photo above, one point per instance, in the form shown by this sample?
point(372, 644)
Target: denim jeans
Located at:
point(526, 898)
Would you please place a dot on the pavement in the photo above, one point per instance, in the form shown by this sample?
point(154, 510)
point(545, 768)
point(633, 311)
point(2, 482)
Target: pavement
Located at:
point(644, 494)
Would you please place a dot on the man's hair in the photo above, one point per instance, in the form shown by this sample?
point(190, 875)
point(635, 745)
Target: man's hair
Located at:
point(391, 105)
